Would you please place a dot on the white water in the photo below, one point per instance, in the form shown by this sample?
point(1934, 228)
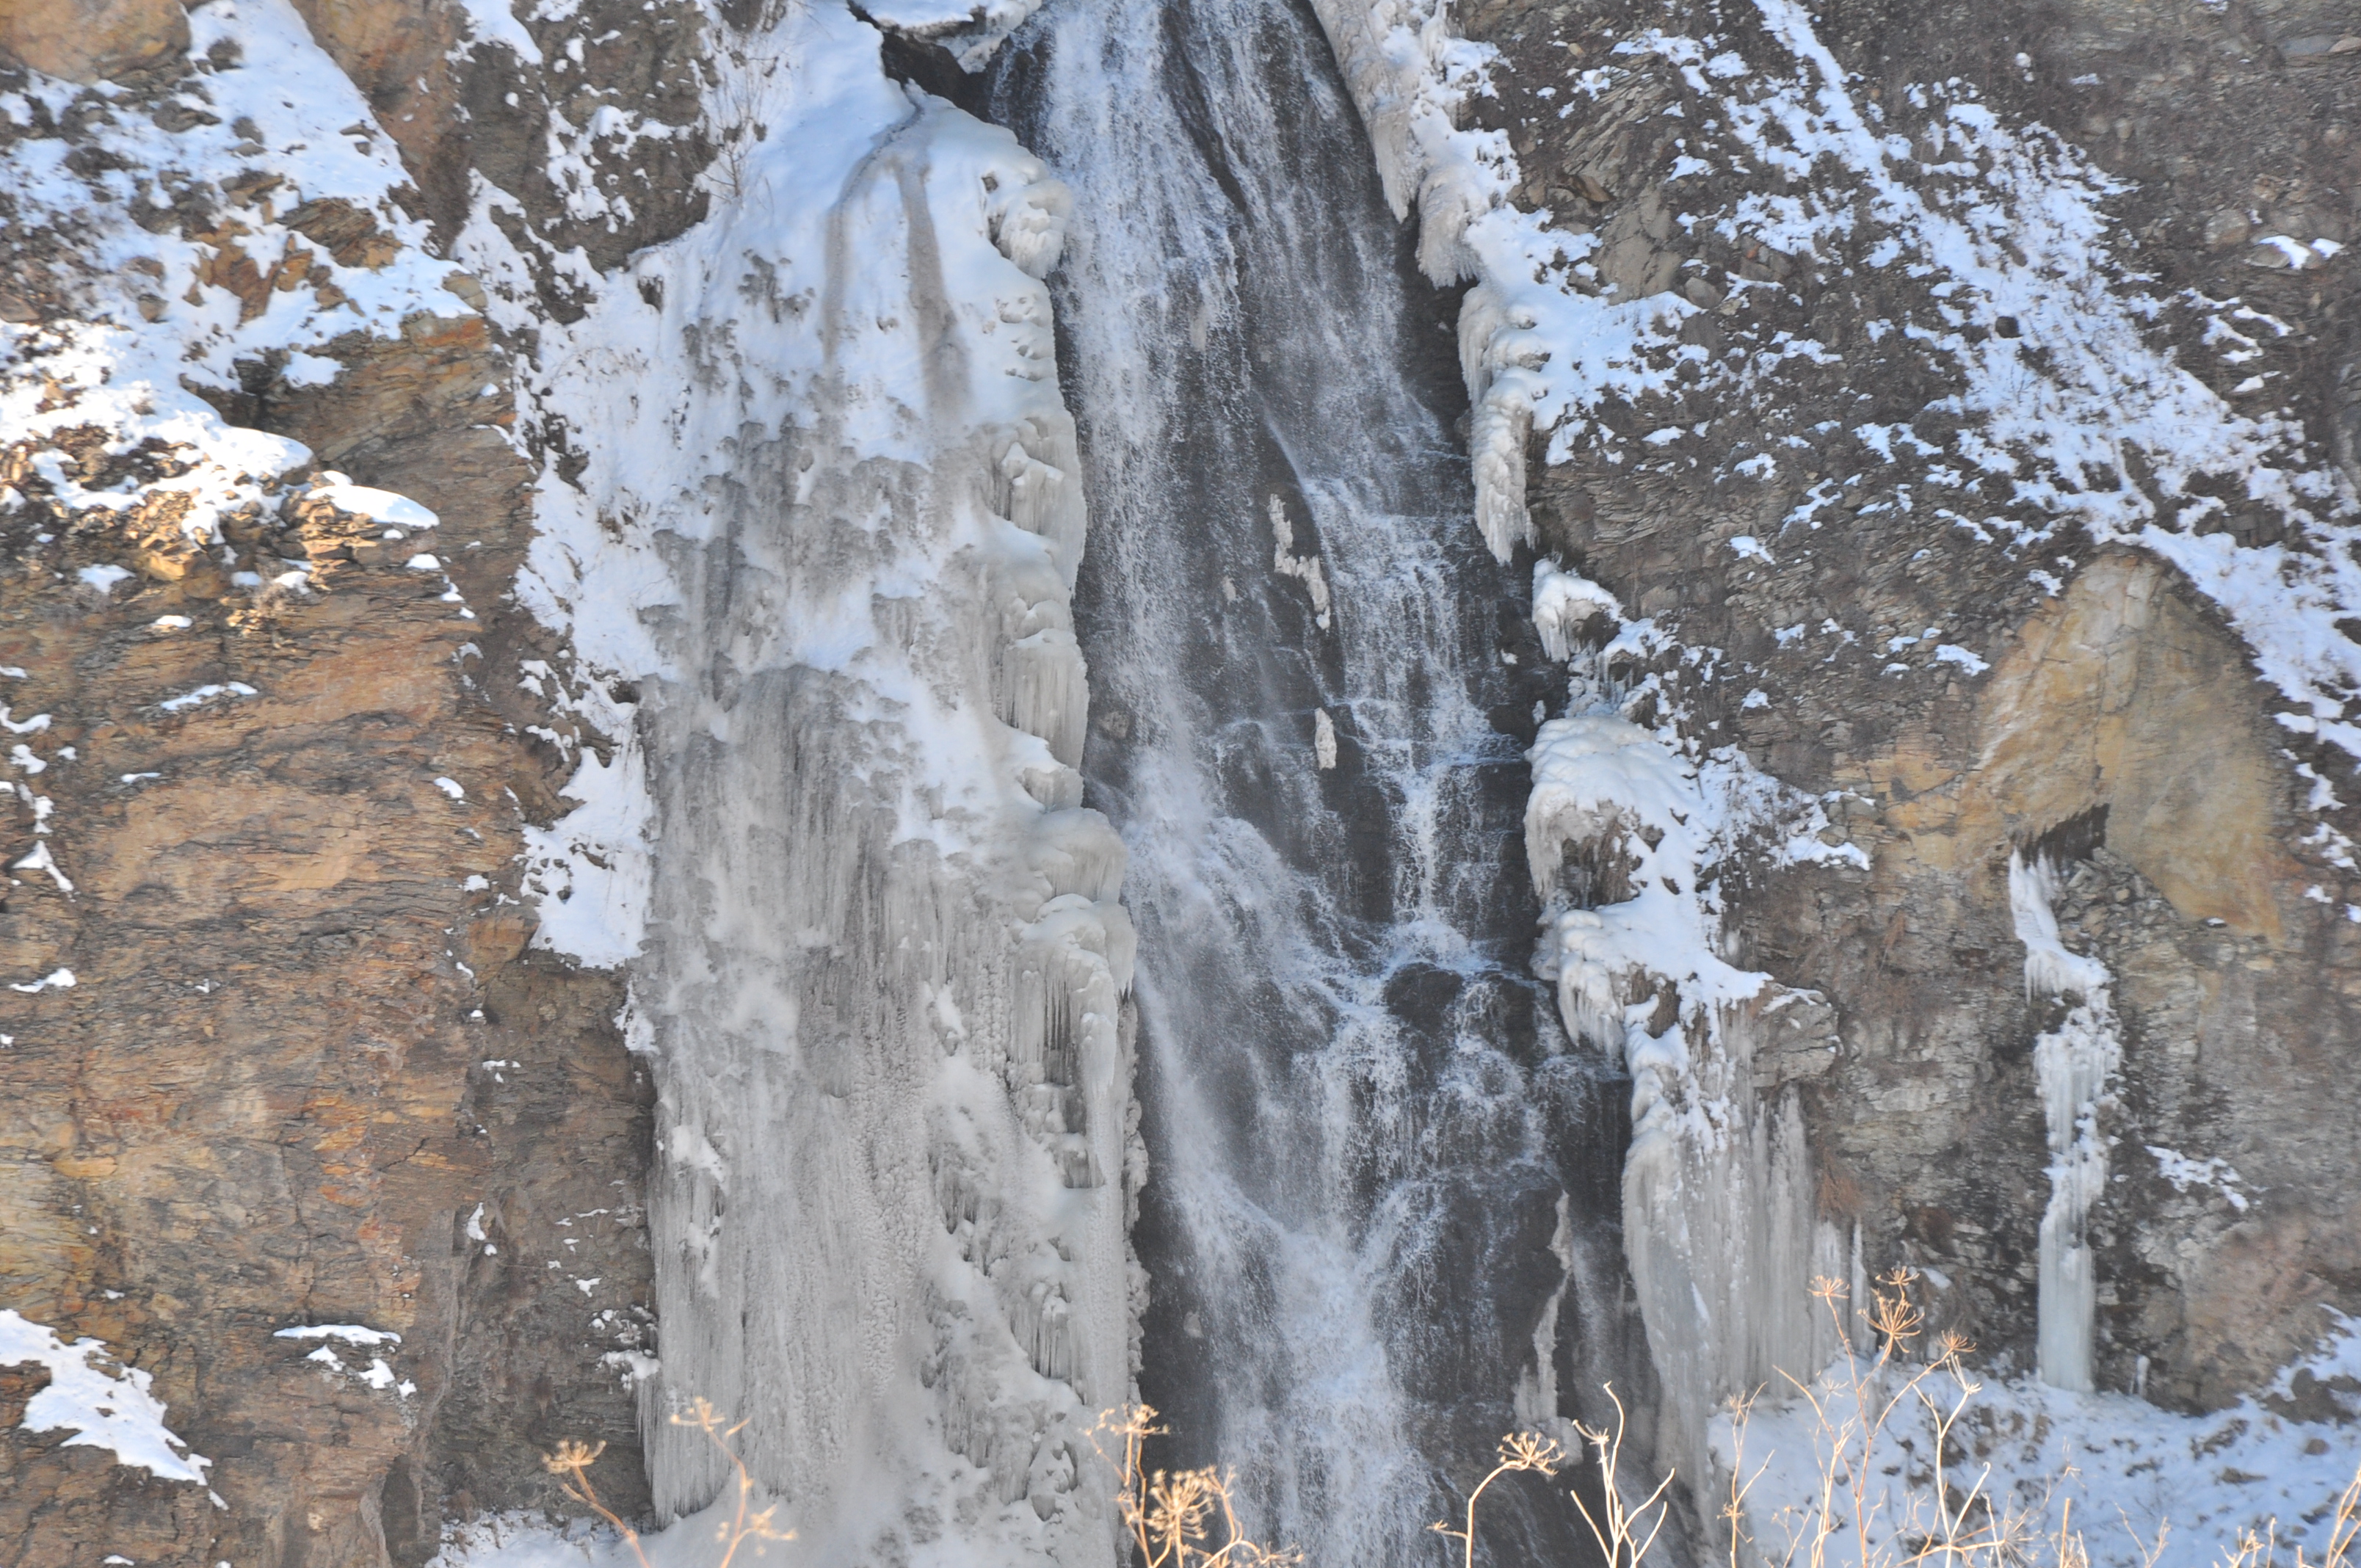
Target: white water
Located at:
point(1362, 1127)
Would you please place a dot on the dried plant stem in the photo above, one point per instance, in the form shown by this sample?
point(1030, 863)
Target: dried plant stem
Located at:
point(1171, 1517)
point(1624, 1533)
point(1518, 1451)
point(572, 1463)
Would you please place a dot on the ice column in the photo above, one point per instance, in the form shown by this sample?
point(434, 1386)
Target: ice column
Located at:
point(885, 965)
point(1721, 1220)
point(2073, 1064)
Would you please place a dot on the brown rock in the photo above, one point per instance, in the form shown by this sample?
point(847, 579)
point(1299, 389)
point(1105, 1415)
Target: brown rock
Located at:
point(86, 40)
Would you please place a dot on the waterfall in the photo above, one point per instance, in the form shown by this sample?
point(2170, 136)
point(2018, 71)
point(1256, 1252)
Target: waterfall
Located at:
point(1381, 1192)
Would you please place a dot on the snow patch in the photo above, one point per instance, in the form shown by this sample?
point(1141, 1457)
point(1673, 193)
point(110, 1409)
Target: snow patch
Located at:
point(103, 1407)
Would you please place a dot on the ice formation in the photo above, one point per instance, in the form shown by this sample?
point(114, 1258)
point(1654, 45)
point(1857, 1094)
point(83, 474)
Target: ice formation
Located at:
point(875, 951)
point(2073, 1063)
point(1624, 832)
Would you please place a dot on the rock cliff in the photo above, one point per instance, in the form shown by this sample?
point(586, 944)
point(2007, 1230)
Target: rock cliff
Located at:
point(443, 446)
point(1943, 414)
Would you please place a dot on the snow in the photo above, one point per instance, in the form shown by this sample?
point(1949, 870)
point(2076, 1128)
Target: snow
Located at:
point(378, 506)
point(40, 858)
point(205, 694)
point(1952, 653)
point(2135, 1476)
point(135, 378)
point(350, 1333)
point(493, 21)
point(970, 29)
point(2185, 1173)
point(102, 1407)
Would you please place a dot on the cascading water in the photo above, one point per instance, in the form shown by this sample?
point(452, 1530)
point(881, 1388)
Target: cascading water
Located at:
point(1377, 1177)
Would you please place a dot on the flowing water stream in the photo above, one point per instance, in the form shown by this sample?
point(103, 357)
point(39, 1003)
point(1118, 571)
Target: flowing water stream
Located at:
point(1377, 1180)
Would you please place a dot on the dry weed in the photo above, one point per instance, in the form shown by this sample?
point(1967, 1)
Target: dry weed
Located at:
point(1931, 1518)
point(1184, 1519)
point(571, 1463)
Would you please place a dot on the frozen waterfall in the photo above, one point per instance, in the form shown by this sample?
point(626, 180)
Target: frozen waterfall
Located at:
point(885, 963)
point(2074, 1062)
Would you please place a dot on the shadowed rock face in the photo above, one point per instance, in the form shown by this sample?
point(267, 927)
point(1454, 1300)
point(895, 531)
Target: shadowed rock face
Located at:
point(2120, 728)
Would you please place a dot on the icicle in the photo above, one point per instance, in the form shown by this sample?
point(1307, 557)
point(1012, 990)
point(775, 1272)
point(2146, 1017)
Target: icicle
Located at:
point(1564, 602)
point(1496, 444)
point(2073, 1064)
point(1046, 690)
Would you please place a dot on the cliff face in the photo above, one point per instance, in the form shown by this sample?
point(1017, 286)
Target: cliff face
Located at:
point(442, 446)
point(1987, 487)
point(404, 525)
point(276, 749)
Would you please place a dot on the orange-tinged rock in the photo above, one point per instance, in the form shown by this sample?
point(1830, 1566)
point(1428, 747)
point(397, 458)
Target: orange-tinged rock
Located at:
point(87, 41)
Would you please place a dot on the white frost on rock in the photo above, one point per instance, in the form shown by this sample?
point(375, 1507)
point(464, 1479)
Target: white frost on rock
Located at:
point(103, 1407)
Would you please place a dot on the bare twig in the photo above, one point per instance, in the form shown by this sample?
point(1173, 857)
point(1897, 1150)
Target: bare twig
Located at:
point(572, 1463)
point(1518, 1451)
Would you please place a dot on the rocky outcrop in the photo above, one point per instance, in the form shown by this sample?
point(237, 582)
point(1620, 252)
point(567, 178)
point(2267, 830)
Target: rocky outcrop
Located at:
point(1831, 425)
point(280, 1047)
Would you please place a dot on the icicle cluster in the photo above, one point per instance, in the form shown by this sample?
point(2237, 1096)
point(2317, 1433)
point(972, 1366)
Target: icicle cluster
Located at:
point(2073, 1064)
point(1721, 1228)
